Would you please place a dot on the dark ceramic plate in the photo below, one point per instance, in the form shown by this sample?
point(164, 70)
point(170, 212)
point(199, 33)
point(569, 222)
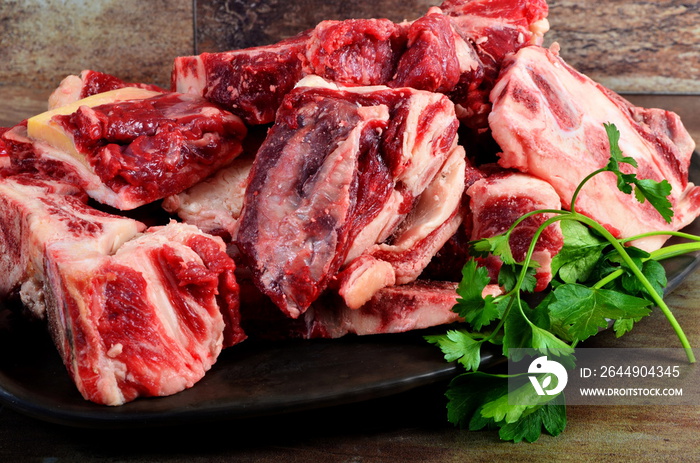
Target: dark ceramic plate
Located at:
point(249, 380)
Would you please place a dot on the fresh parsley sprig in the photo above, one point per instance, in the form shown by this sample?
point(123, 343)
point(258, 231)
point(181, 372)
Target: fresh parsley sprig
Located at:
point(597, 278)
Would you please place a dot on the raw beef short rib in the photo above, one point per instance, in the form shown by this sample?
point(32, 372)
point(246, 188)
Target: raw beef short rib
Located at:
point(73, 88)
point(455, 49)
point(498, 200)
point(127, 153)
point(341, 169)
point(132, 312)
point(548, 120)
point(306, 198)
point(38, 212)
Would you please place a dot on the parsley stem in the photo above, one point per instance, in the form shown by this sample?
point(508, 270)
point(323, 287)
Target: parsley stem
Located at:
point(678, 234)
point(642, 279)
point(608, 278)
point(530, 214)
point(580, 187)
point(674, 250)
point(666, 252)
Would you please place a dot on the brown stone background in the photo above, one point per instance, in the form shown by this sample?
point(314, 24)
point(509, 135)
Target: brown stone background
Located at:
point(632, 46)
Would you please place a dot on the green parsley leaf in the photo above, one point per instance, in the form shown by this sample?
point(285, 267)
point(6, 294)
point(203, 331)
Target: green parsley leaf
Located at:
point(471, 306)
point(644, 189)
point(657, 195)
point(580, 253)
point(509, 273)
point(468, 392)
point(497, 245)
point(580, 311)
point(551, 417)
point(458, 345)
point(520, 333)
point(653, 271)
point(616, 156)
point(624, 325)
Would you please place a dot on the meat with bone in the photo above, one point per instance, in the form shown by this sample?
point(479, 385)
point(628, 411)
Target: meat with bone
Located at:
point(250, 83)
point(129, 147)
point(332, 162)
point(396, 309)
point(455, 49)
point(498, 200)
point(305, 200)
point(547, 115)
point(214, 204)
point(355, 51)
point(435, 216)
point(458, 49)
point(38, 212)
point(132, 314)
point(142, 322)
point(73, 88)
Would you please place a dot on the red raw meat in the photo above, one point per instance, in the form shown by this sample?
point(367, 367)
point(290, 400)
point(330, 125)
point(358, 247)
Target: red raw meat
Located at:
point(305, 201)
point(136, 151)
point(132, 313)
point(437, 59)
point(435, 215)
point(456, 49)
point(37, 212)
point(250, 83)
point(89, 82)
point(548, 120)
point(502, 197)
point(496, 28)
point(340, 170)
point(396, 309)
point(355, 51)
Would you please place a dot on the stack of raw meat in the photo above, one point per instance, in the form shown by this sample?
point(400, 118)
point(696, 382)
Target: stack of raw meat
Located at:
point(325, 185)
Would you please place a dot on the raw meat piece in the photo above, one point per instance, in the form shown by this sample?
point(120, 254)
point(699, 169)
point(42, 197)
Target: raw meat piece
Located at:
point(437, 59)
point(433, 219)
point(142, 322)
point(417, 305)
point(74, 88)
point(250, 83)
point(498, 200)
point(395, 309)
point(215, 204)
point(547, 115)
point(456, 49)
point(132, 313)
point(341, 169)
point(499, 27)
point(495, 28)
point(37, 212)
point(129, 153)
point(355, 51)
point(306, 199)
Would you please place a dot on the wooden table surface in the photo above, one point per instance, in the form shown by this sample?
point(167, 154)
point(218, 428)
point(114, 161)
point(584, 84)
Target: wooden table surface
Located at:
point(410, 427)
